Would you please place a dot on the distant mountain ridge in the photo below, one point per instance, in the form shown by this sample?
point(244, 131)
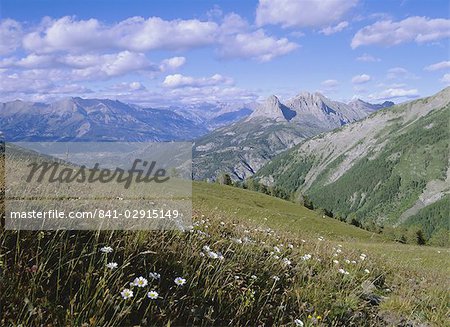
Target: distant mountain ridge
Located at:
point(110, 120)
point(240, 149)
point(392, 167)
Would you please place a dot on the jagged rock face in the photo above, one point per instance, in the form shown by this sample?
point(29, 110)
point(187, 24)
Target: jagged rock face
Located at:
point(391, 167)
point(315, 108)
point(273, 109)
point(244, 147)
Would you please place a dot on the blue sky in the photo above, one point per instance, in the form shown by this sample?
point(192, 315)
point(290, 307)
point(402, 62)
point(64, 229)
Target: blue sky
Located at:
point(181, 52)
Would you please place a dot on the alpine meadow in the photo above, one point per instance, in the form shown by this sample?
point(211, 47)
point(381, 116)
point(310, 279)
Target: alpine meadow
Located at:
point(225, 163)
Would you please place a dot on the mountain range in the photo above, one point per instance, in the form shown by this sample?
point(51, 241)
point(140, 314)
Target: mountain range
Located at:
point(391, 167)
point(80, 119)
point(240, 149)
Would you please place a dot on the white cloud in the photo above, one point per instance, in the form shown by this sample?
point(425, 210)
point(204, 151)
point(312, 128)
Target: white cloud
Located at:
point(214, 12)
point(305, 13)
point(367, 58)
point(334, 29)
point(361, 79)
point(399, 73)
point(445, 79)
point(360, 89)
point(172, 63)
point(93, 66)
point(10, 36)
point(125, 87)
point(438, 66)
point(133, 34)
point(210, 94)
point(412, 29)
point(395, 93)
point(187, 95)
point(255, 45)
point(31, 61)
point(330, 83)
point(137, 34)
point(37, 82)
point(179, 81)
point(329, 86)
point(233, 23)
point(391, 85)
point(109, 65)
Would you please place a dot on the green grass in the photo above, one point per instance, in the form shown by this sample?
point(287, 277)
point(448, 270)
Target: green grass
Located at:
point(60, 278)
point(245, 205)
point(296, 220)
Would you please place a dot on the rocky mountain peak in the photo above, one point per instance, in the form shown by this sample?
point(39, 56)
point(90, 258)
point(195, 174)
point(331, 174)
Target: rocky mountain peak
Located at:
point(272, 108)
point(360, 104)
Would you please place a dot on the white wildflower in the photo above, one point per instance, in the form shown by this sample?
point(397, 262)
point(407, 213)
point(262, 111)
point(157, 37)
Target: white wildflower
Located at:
point(306, 257)
point(152, 295)
point(367, 271)
point(286, 261)
point(112, 265)
point(106, 249)
point(140, 282)
point(298, 323)
point(180, 281)
point(126, 293)
point(335, 261)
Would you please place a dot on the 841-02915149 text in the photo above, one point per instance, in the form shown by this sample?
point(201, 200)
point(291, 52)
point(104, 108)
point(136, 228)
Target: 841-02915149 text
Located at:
point(99, 213)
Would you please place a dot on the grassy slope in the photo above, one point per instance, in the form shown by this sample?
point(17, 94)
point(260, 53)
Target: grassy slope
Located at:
point(296, 220)
point(417, 273)
point(71, 285)
point(275, 213)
